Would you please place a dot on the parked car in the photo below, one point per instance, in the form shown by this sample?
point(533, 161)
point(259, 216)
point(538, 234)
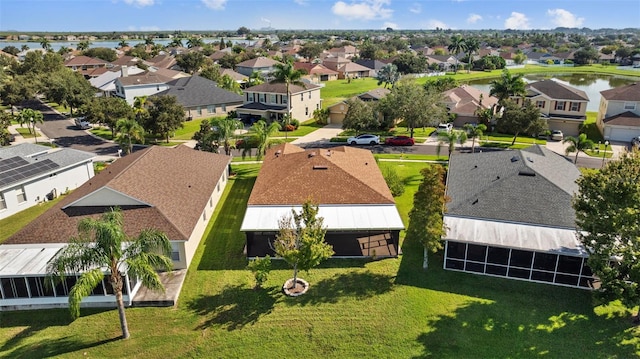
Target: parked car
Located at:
point(365, 139)
point(635, 143)
point(444, 128)
point(399, 141)
point(557, 135)
point(82, 123)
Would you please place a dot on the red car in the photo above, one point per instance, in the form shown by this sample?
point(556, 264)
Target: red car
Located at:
point(399, 141)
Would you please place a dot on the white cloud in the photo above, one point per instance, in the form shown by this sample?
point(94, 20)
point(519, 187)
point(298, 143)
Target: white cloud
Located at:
point(140, 3)
point(517, 21)
point(392, 25)
point(215, 4)
point(473, 18)
point(415, 8)
point(432, 24)
point(363, 9)
point(301, 2)
point(563, 18)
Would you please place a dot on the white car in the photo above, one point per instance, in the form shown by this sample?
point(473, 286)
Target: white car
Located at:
point(557, 135)
point(444, 128)
point(365, 139)
point(82, 123)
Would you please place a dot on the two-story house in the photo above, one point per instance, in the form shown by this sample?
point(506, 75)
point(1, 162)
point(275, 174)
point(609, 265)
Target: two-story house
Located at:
point(269, 100)
point(564, 107)
point(263, 65)
point(464, 101)
point(619, 113)
point(129, 87)
point(88, 66)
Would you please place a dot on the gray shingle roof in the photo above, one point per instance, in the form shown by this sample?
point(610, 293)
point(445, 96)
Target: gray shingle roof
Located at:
point(557, 90)
point(199, 91)
point(533, 185)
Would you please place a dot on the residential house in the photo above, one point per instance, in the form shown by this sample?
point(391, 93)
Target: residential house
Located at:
point(346, 52)
point(564, 107)
point(338, 111)
point(164, 61)
point(148, 83)
point(619, 113)
point(316, 73)
point(352, 70)
point(174, 190)
point(354, 200)
point(334, 63)
point(106, 83)
point(88, 66)
point(263, 65)
point(31, 174)
point(463, 101)
point(374, 65)
point(238, 77)
point(444, 62)
point(269, 101)
point(202, 97)
point(510, 215)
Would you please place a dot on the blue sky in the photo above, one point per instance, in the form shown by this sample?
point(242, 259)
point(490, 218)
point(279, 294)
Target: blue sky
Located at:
point(150, 15)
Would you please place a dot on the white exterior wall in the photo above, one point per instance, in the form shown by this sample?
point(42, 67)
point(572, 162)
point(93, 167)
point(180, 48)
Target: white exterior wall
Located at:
point(129, 93)
point(36, 189)
point(302, 108)
point(188, 249)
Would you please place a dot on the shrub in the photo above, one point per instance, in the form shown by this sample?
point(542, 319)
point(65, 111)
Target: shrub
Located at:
point(260, 267)
point(393, 181)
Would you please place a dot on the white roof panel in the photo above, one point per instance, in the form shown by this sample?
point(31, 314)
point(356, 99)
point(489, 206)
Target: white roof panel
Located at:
point(16, 261)
point(336, 217)
point(514, 235)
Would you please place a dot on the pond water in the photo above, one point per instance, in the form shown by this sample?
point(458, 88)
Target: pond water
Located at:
point(591, 84)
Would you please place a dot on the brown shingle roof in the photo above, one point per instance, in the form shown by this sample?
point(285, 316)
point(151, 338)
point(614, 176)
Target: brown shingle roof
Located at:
point(85, 60)
point(340, 175)
point(623, 119)
point(557, 90)
point(175, 183)
point(258, 62)
point(273, 87)
point(630, 92)
point(144, 79)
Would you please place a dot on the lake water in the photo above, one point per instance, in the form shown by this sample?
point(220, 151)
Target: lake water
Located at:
point(56, 45)
point(591, 84)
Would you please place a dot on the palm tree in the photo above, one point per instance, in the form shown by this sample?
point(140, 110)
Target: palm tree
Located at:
point(140, 104)
point(129, 130)
point(63, 50)
point(456, 47)
point(485, 115)
point(46, 44)
point(226, 129)
point(24, 47)
point(388, 75)
point(102, 243)
point(149, 41)
point(31, 117)
point(474, 131)
point(472, 45)
point(507, 86)
point(577, 144)
point(288, 75)
point(450, 138)
point(176, 42)
point(255, 79)
point(123, 43)
point(261, 134)
point(83, 45)
point(194, 42)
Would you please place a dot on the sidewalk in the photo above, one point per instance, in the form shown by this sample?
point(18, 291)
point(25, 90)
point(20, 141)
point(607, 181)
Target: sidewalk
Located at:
point(321, 135)
point(20, 139)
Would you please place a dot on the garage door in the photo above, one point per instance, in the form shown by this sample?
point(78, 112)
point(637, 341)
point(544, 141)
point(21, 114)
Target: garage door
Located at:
point(623, 134)
point(568, 128)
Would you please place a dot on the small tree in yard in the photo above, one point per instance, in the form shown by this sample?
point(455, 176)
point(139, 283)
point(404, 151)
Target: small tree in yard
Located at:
point(260, 267)
point(300, 241)
point(578, 144)
point(608, 216)
point(425, 218)
point(450, 138)
point(473, 132)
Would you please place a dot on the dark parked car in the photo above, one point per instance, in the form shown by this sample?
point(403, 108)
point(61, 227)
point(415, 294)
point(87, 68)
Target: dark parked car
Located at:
point(399, 141)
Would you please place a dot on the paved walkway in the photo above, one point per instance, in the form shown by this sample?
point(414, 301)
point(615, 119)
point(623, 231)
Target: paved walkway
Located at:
point(321, 135)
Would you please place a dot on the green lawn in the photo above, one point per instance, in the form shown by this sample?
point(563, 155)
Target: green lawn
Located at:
point(410, 157)
point(590, 129)
point(103, 132)
point(304, 129)
point(10, 225)
point(24, 132)
point(387, 308)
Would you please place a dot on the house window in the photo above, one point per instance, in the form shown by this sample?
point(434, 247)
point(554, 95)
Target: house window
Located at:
point(218, 187)
point(263, 98)
point(204, 215)
point(22, 197)
point(301, 97)
point(199, 110)
point(540, 104)
point(212, 109)
point(284, 100)
point(175, 256)
point(224, 108)
point(3, 203)
point(210, 202)
point(575, 106)
point(306, 111)
point(247, 97)
point(560, 105)
point(309, 94)
point(630, 106)
point(272, 98)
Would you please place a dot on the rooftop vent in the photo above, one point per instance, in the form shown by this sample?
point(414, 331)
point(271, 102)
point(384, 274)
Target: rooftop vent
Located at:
point(530, 159)
point(311, 154)
point(475, 202)
point(526, 172)
point(514, 159)
point(320, 167)
point(278, 153)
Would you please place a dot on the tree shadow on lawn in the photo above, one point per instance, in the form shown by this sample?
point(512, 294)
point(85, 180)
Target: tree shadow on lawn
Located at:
point(234, 307)
point(511, 318)
point(35, 321)
point(358, 285)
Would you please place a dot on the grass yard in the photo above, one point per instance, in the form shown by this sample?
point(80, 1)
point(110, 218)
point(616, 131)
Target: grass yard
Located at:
point(24, 132)
point(102, 132)
point(387, 308)
point(305, 128)
point(410, 157)
point(589, 127)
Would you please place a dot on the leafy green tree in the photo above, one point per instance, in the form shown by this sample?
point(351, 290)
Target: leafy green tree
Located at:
point(141, 107)
point(260, 267)
point(388, 75)
point(226, 131)
point(586, 55)
point(83, 45)
point(409, 63)
point(507, 85)
point(516, 119)
point(108, 111)
point(285, 73)
point(5, 122)
point(18, 89)
point(473, 132)
point(103, 244)
point(165, 116)
point(607, 207)
point(11, 50)
point(310, 50)
point(368, 50)
point(394, 182)
point(300, 241)
point(441, 84)
point(63, 50)
point(359, 117)
point(519, 57)
point(450, 139)
point(243, 30)
point(175, 42)
point(31, 117)
point(129, 131)
point(228, 61)
point(321, 116)
point(206, 138)
point(102, 53)
point(457, 46)
point(68, 88)
point(425, 218)
point(256, 78)
point(228, 83)
point(190, 62)
point(485, 115)
point(261, 135)
point(211, 72)
point(577, 145)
